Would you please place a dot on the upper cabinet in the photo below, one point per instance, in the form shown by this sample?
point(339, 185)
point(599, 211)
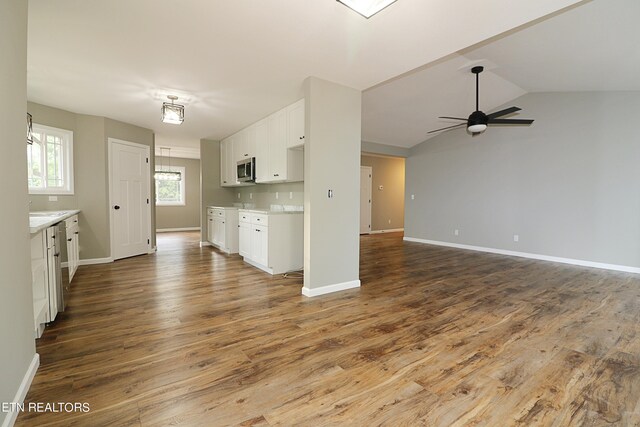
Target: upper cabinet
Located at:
point(295, 120)
point(275, 141)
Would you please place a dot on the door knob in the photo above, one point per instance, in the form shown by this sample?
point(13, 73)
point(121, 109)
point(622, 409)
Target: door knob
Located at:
point(116, 207)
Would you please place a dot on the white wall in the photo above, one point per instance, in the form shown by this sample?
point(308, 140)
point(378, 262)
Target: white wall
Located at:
point(331, 161)
point(569, 185)
point(17, 347)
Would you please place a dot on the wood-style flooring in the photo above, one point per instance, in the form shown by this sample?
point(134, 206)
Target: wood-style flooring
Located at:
point(435, 337)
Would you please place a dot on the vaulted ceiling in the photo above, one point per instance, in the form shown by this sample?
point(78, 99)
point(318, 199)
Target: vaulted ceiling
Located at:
point(234, 62)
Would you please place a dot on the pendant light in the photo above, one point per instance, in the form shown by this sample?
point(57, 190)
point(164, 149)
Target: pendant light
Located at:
point(29, 129)
point(172, 113)
point(164, 174)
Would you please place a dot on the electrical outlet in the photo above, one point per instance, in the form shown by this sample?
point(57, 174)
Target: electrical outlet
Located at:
point(53, 198)
point(389, 221)
point(238, 195)
point(516, 238)
point(456, 232)
point(250, 195)
point(413, 197)
point(330, 194)
point(277, 195)
point(290, 195)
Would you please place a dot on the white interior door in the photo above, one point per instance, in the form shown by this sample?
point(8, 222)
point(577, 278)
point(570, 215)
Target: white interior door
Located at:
point(365, 199)
point(130, 205)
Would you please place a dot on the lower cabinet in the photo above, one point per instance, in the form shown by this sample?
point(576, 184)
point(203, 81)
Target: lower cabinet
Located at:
point(222, 228)
point(273, 242)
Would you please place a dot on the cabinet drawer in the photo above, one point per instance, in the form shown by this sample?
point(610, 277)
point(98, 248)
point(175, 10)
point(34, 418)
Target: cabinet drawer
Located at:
point(244, 217)
point(260, 219)
point(70, 222)
point(210, 211)
point(218, 213)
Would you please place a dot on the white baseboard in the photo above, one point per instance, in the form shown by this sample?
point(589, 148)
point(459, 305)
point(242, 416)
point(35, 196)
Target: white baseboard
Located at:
point(11, 416)
point(307, 292)
point(169, 230)
point(204, 244)
point(153, 250)
point(259, 266)
point(92, 261)
point(390, 230)
point(539, 257)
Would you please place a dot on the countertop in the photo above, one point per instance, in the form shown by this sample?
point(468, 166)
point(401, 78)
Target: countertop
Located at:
point(222, 207)
point(40, 220)
point(269, 211)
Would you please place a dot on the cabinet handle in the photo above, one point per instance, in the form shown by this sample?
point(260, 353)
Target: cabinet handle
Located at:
point(246, 155)
point(224, 182)
point(276, 174)
point(77, 232)
point(223, 222)
point(257, 230)
point(68, 240)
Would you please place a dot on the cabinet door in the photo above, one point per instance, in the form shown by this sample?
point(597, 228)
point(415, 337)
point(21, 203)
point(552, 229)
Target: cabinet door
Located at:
point(295, 124)
point(241, 146)
point(210, 229)
point(259, 245)
point(244, 237)
point(262, 151)
point(221, 231)
point(224, 163)
point(278, 146)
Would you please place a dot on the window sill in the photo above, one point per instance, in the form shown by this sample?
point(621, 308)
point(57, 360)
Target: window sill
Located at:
point(50, 193)
point(170, 204)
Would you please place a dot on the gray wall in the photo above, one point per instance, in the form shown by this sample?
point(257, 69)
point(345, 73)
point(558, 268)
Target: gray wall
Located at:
point(567, 185)
point(16, 304)
point(211, 191)
point(331, 161)
point(187, 216)
point(387, 205)
point(90, 167)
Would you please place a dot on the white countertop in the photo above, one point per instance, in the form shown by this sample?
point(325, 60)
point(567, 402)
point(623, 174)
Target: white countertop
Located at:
point(269, 211)
point(222, 207)
point(40, 220)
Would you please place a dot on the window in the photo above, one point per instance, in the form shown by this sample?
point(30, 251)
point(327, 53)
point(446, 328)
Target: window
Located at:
point(50, 161)
point(170, 192)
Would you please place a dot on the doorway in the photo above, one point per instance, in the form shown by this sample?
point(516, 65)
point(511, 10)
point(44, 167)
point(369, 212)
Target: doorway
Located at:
point(129, 199)
point(365, 199)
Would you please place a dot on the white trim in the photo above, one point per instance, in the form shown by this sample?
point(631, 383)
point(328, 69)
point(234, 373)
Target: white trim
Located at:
point(93, 261)
point(168, 230)
point(183, 188)
point(370, 205)
point(389, 230)
point(539, 257)
point(69, 176)
point(255, 264)
point(307, 292)
point(153, 250)
point(204, 244)
point(110, 142)
point(10, 417)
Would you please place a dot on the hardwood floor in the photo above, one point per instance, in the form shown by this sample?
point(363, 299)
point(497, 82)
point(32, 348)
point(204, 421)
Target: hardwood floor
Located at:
point(435, 337)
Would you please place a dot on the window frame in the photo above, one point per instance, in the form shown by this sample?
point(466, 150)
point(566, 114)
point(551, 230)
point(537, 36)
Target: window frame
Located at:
point(67, 154)
point(183, 198)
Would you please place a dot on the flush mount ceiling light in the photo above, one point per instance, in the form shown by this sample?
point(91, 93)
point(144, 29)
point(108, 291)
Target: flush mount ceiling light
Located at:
point(367, 8)
point(172, 113)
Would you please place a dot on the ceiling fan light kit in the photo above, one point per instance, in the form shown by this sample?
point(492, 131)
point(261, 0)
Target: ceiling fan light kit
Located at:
point(478, 121)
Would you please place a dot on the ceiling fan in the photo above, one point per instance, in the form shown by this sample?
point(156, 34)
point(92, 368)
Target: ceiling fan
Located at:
point(478, 121)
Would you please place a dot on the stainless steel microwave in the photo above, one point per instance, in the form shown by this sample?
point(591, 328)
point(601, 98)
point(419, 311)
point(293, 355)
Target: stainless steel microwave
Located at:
point(247, 170)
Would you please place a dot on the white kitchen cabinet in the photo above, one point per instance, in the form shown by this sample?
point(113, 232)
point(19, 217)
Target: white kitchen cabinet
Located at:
point(222, 228)
point(225, 163)
point(269, 141)
point(295, 125)
point(73, 245)
point(262, 150)
point(40, 281)
point(272, 242)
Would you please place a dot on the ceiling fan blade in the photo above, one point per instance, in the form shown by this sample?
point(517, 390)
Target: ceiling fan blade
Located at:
point(510, 121)
point(503, 112)
point(449, 127)
point(452, 118)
